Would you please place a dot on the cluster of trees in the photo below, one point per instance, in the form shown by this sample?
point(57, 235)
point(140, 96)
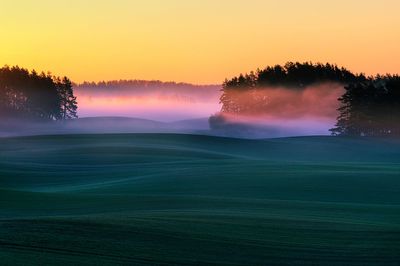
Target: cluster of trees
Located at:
point(295, 76)
point(370, 106)
point(29, 95)
point(248, 95)
point(292, 75)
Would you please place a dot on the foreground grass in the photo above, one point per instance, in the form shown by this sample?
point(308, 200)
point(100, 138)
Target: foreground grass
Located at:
point(183, 199)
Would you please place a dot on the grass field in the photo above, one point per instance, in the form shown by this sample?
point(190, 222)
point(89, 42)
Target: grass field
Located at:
point(165, 199)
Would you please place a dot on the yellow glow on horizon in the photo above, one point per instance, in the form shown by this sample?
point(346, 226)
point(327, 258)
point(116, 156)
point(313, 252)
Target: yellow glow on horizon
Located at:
point(201, 41)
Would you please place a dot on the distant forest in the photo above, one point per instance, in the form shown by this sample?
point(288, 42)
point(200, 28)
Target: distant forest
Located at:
point(28, 95)
point(135, 83)
point(370, 106)
point(146, 87)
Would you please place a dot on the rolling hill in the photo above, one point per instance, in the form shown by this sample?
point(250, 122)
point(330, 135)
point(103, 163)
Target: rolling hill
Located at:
point(167, 199)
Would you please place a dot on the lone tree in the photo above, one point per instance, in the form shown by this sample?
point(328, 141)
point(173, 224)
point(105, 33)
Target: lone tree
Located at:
point(25, 94)
point(68, 100)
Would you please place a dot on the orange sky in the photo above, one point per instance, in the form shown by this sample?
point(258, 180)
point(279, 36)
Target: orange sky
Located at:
point(200, 41)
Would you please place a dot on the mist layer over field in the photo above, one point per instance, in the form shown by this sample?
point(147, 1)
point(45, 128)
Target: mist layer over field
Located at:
point(310, 110)
point(157, 107)
point(181, 199)
point(160, 101)
point(275, 103)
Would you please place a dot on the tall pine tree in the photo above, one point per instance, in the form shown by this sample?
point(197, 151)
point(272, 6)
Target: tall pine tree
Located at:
point(68, 102)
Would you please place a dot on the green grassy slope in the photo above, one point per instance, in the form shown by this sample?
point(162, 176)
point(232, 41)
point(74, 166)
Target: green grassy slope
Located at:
point(184, 199)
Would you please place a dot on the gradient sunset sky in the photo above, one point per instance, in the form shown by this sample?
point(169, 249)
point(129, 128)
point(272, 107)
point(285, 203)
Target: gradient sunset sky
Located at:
point(201, 41)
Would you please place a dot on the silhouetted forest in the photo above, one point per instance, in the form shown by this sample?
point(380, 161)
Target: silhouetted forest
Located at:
point(292, 75)
point(156, 88)
point(136, 83)
point(29, 95)
point(295, 76)
point(370, 106)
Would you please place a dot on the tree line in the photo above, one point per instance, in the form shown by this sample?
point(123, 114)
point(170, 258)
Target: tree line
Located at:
point(178, 90)
point(26, 94)
point(136, 83)
point(370, 106)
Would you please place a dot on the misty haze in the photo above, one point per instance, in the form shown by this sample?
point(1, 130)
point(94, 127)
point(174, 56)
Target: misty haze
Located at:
point(155, 107)
point(245, 132)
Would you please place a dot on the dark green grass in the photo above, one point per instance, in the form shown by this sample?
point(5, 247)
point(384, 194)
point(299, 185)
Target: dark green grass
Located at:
point(184, 199)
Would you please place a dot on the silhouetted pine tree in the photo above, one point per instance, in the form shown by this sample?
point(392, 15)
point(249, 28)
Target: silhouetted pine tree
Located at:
point(68, 100)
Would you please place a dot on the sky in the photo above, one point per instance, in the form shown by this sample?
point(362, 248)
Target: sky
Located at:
point(200, 42)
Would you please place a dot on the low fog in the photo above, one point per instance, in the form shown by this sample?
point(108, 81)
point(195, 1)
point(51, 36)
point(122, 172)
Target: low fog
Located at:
point(154, 100)
point(280, 111)
point(93, 125)
point(155, 107)
point(279, 103)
